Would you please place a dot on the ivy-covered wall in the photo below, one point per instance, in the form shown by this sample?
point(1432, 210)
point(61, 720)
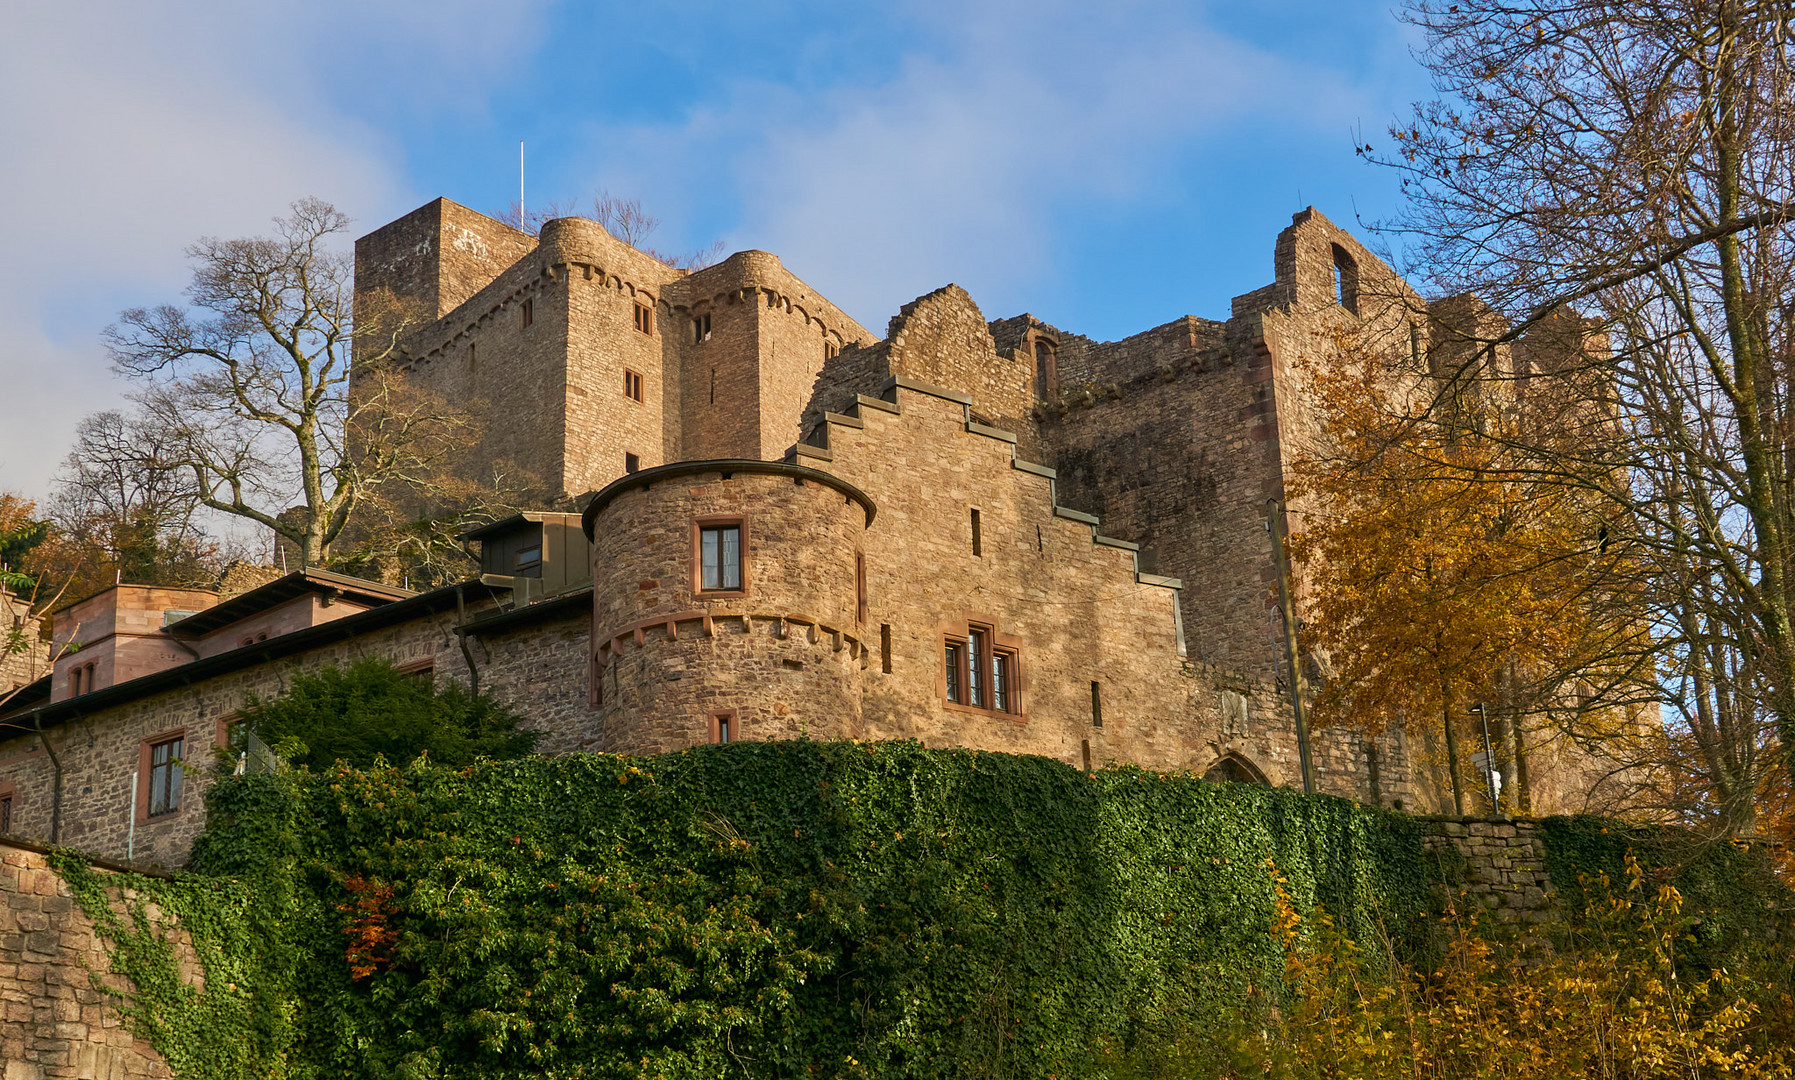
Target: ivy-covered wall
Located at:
point(758, 909)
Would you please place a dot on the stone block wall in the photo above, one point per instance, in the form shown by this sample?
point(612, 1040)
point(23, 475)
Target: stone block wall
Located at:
point(783, 653)
point(1504, 864)
point(537, 666)
point(54, 1022)
point(29, 664)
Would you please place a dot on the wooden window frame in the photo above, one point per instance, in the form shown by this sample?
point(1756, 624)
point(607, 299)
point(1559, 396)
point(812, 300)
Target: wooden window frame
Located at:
point(644, 317)
point(997, 645)
point(415, 668)
point(725, 726)
point(145, 752)
point(632, 385)
point(699, 524)
point(9, 795)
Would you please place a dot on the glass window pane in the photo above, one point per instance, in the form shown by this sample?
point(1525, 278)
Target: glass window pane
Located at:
point(975, 653)
point(732, 557)
point(712, 576)
point(953, 673)
point(1000, 690)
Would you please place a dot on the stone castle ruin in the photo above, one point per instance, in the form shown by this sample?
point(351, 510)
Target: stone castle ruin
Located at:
point(996, 534)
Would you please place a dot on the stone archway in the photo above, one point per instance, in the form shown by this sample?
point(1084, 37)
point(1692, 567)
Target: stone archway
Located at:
point(1234, 769)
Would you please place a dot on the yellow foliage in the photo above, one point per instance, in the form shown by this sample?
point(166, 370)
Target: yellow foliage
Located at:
point(1438, 563)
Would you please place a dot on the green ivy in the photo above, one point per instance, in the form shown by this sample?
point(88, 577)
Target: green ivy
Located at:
point(783, 909)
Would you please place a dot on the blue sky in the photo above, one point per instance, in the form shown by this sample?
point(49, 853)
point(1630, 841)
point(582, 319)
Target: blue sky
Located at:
point(1107, 169)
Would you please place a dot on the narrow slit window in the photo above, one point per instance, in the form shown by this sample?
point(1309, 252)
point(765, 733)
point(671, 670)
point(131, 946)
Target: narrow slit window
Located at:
point(165, 777)
point(885, 648)
point(632, 385)
point(860, 588)
point(631, 463)
point(529, 313)
point(978, 545)
point(1043, 367)
point(5, 814)
point(472, 358)
point(723, 727)
point(720, 557)
point(713, 386)
point(1096, 703)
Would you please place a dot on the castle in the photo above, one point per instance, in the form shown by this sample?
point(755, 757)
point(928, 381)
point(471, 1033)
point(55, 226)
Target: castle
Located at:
point(996, 534)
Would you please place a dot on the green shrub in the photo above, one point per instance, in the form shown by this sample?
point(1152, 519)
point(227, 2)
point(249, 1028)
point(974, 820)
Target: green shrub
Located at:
point(371, 709)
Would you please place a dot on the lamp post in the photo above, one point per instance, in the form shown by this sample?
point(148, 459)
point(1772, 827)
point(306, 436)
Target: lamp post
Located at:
point(1491, 778)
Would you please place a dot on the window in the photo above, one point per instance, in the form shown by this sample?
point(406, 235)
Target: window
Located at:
point(885, 648)
point(6, 814)
point(830, 350)
point(1044, 373)
point(1346, 280)
point(529, 313)
point(165, 777)
point(90, 678)
point(713, 386)
point(632, 385)
point(978, 550)
point(471, 357)
point(701, 328)
point(631, 463)
point(422, 673)
point(981, 669)
point(74, 682)
point(724, 728)
point(1096, 703)
point(720, 557)
point(645, 318)
point(859, 588)
point(529, 561)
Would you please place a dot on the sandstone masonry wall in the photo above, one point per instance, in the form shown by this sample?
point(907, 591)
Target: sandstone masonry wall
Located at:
point(53, 1022)
point(783, 653)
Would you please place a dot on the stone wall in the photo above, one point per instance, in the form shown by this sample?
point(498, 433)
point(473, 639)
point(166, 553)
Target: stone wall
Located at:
point(535, 665)
point(53, 1021)
point(1504, 864)
point(782, 653)
point(31, 662)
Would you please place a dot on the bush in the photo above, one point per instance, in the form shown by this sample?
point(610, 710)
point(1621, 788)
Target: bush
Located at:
point(373, 710)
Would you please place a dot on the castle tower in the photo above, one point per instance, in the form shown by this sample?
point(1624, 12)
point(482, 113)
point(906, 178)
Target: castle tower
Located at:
point(586, 359)
point(726, 605)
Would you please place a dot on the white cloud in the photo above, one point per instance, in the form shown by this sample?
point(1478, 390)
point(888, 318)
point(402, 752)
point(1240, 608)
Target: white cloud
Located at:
point(966, 164)
point(128, 130)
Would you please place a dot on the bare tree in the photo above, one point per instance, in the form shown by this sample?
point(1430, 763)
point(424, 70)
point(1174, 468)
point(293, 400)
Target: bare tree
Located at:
point(282, 409)
point(1633, 161)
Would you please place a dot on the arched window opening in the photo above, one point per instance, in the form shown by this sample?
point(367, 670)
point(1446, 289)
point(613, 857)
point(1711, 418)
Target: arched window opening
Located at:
point(1044, 376)
point(1346, 280)
point(1234, 769)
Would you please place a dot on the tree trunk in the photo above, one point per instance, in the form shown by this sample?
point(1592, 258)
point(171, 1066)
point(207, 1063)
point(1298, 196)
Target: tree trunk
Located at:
point(1458, 784)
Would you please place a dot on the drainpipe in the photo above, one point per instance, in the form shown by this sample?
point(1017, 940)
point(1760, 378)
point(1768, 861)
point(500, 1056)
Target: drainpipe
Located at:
point(56, 785)
point(467, 654)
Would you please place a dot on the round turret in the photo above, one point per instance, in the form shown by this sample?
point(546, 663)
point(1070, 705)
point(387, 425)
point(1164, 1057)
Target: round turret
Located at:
point(727, 604)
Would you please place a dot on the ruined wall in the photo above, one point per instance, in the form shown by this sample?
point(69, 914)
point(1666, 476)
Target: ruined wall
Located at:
point(1504, 864)
point(31, 662)
point(53, 1021)
point(783, 653)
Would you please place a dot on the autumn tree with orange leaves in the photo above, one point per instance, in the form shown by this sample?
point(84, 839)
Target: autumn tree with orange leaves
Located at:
point(1442, 573)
